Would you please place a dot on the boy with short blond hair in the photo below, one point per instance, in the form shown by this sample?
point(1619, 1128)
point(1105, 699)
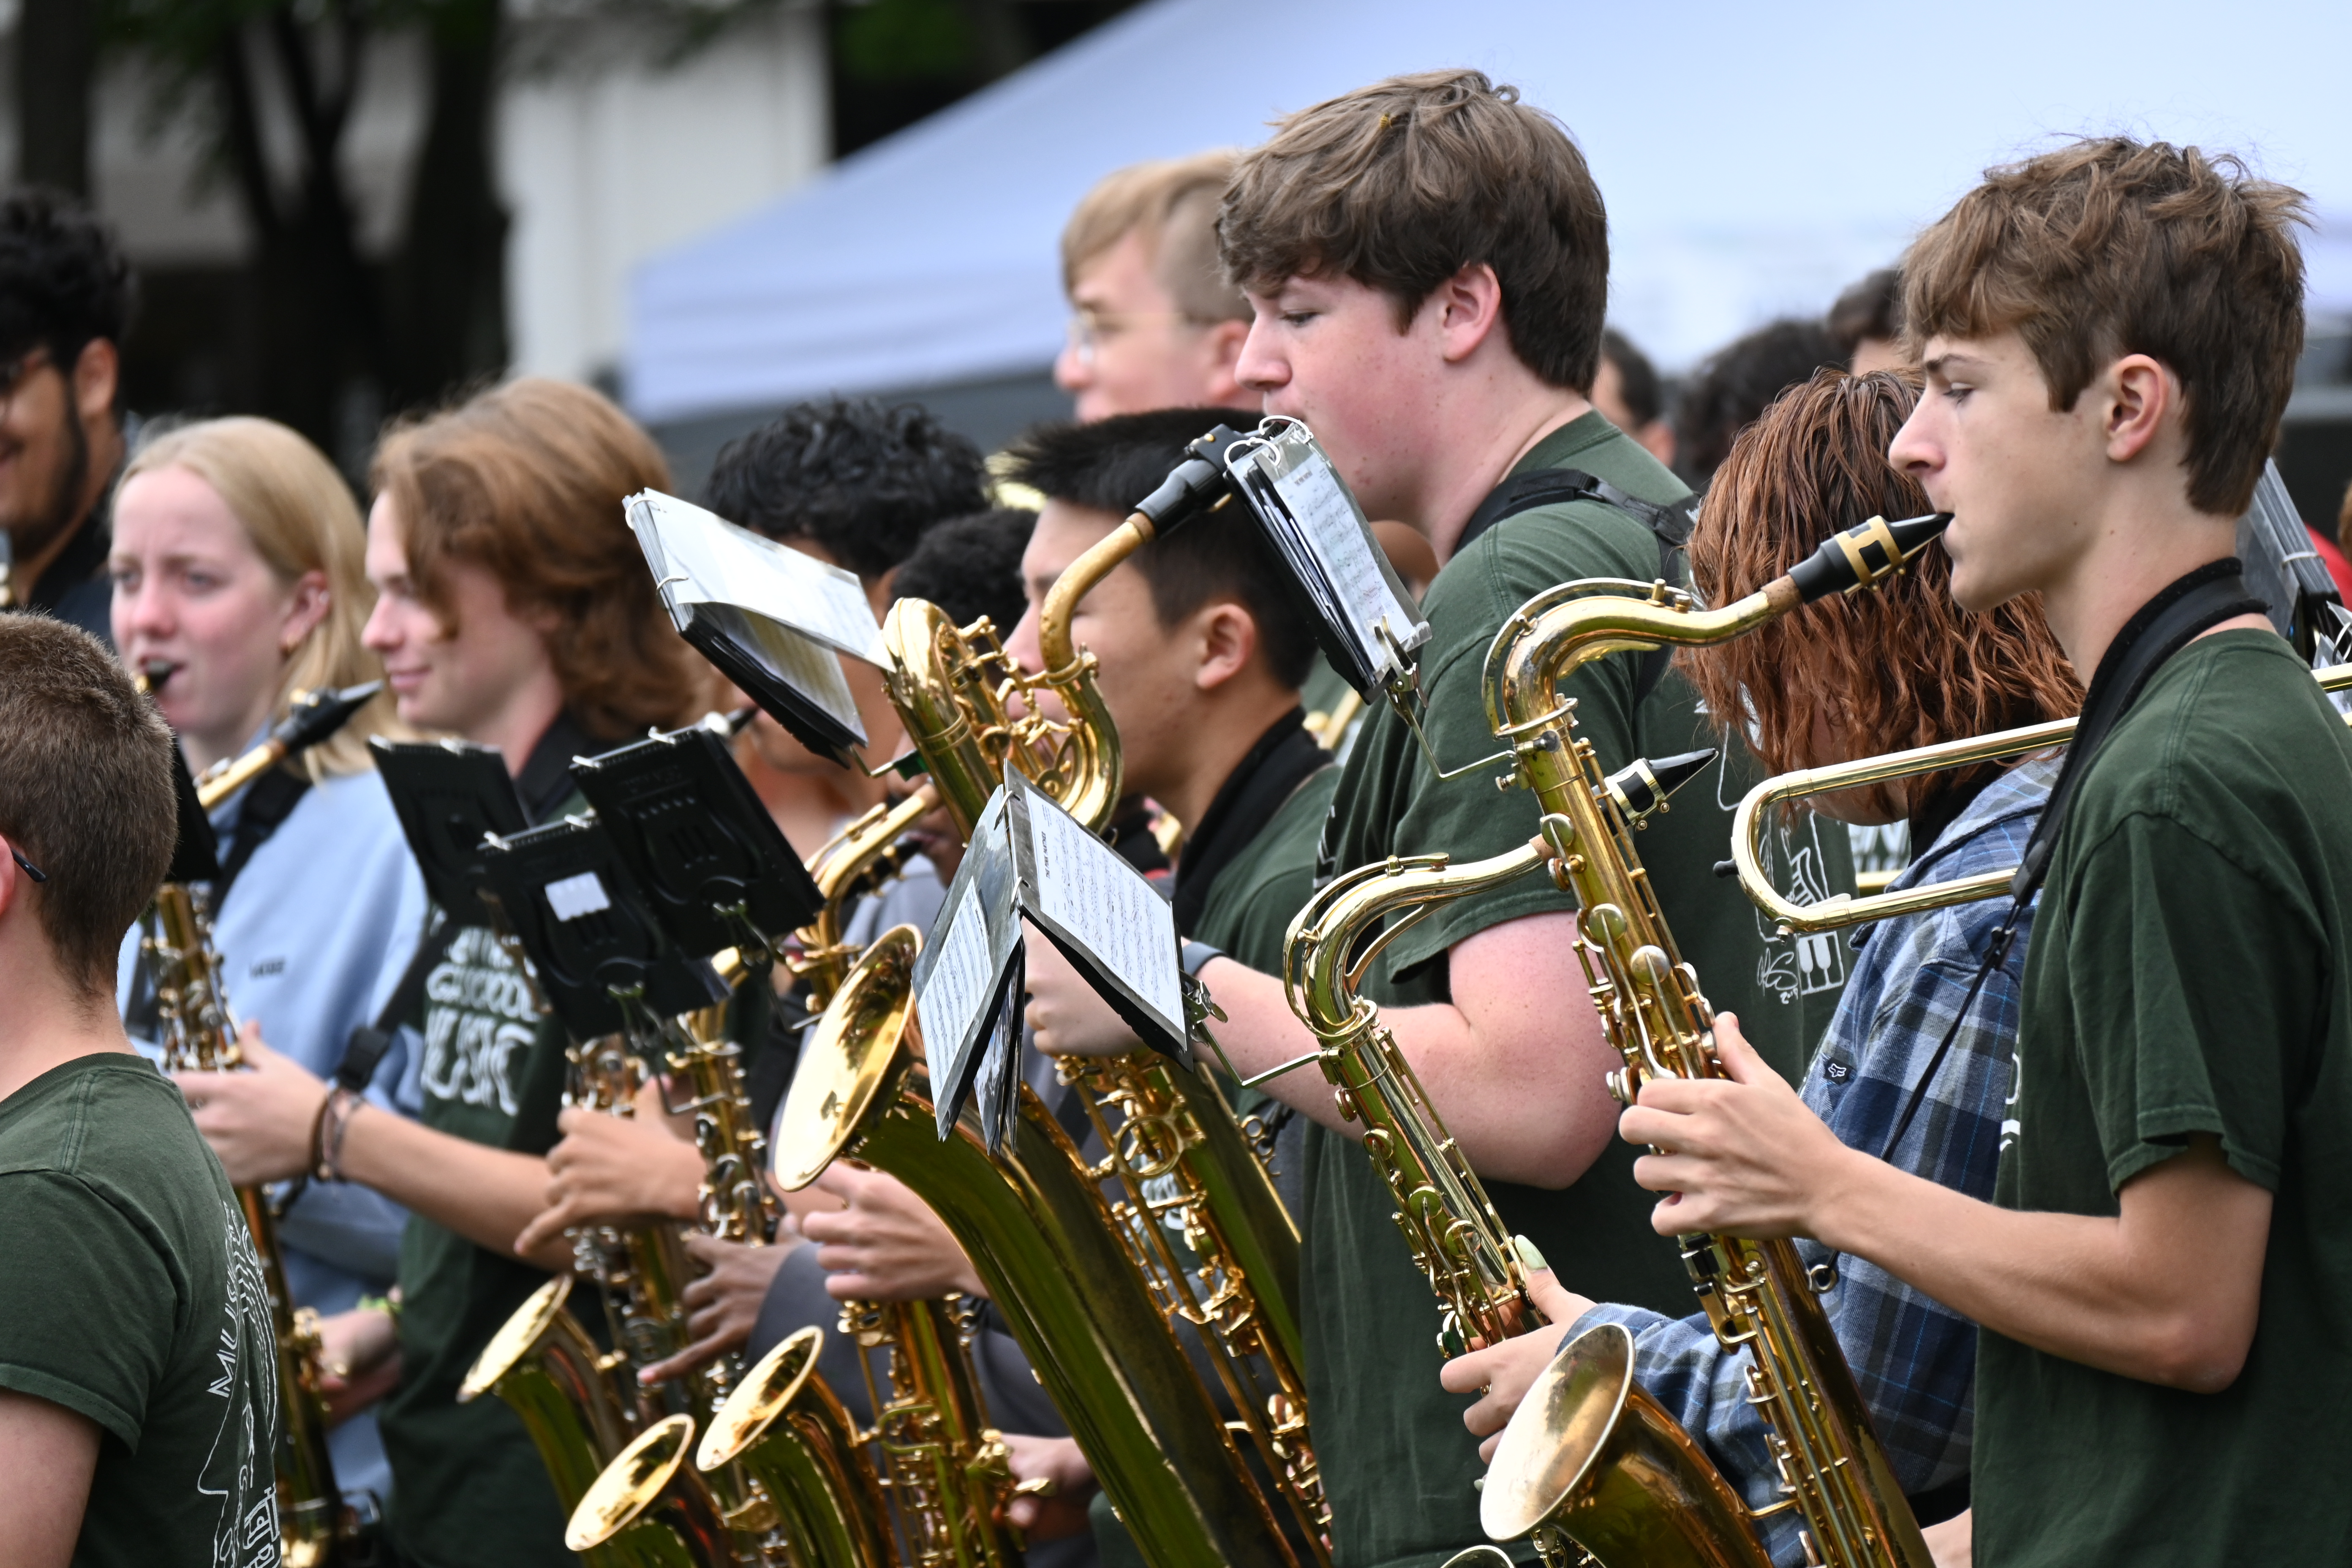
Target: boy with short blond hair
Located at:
point(2109, 334)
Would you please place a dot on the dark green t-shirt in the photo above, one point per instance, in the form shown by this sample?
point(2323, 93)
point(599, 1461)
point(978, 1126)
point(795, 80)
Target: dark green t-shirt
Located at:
point(1266, 884)
point(1397, 1462)
point(469, 1485)
point(130, 1293)
point(2190, 971)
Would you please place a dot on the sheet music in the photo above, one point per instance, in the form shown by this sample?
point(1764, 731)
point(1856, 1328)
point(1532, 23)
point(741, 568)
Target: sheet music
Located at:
point(1328, 519)
point(698, 557)
point(1085, 889)
point(960, 979)
point(809, 669)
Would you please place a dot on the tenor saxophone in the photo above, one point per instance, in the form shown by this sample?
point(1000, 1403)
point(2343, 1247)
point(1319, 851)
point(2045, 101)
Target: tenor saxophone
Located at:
point(1563, 1468)
point(316, 1527)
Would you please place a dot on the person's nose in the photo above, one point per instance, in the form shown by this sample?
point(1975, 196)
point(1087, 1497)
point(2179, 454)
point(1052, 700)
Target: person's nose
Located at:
point(1915, 451)
point(379, 636)
point(143, 611)
point(1021, 646)
point(1259, 368)
point(1073, 372)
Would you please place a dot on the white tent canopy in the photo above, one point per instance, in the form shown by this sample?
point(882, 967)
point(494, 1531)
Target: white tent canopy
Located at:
point(1754, 160)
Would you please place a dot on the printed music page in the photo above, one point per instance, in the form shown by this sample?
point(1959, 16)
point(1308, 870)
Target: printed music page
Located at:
point(961, 982)
point(1104, 905)
point(1344, 547)
point(698, 557)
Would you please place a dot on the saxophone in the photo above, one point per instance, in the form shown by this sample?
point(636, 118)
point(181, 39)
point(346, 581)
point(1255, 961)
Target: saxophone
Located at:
point(316, 1527)
point(1561, 1469)
point(1173, 1142)
point(854, 862)
point(1035, 1226)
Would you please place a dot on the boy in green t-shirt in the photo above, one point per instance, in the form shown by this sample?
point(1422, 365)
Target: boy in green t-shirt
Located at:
point(138, 1370)
point(2164, 1280)
point(1428, 263)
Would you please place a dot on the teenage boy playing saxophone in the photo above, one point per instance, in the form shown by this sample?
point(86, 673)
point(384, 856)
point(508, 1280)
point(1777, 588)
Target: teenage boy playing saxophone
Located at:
point(2109, 333)
point(1427, 260)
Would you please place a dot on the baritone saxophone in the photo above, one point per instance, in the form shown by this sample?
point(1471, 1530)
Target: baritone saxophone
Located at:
point(1574, 1464)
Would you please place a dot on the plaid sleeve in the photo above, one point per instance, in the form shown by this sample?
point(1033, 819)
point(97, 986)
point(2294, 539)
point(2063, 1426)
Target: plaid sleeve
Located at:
point(1913, 1359)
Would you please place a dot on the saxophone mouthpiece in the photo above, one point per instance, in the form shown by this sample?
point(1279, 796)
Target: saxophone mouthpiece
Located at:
point(319, 714)
point(1865, 555)
point(1194, 486)
point(1641, 786)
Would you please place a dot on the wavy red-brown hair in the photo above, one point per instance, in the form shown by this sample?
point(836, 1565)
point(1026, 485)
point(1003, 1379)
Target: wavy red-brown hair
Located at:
point(527, 479)
point(1900, 667)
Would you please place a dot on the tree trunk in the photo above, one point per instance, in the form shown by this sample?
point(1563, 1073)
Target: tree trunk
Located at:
point(57, 56)
point(446, 289)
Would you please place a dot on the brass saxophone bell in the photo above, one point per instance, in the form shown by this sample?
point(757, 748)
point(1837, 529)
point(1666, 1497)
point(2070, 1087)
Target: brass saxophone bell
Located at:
point(1590, 1456)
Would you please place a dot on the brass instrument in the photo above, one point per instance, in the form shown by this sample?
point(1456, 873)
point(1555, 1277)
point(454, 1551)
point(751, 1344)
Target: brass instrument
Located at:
point(316, 1527)
point(1834, 1473)
point(1174, 1144)
point(199, 1035)
point(1748, 824)
point(847, 866)
point(1035, 1224)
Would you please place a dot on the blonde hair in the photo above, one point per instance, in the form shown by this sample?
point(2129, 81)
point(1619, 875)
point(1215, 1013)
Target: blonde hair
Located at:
point(300, 516)
point(1172, 204)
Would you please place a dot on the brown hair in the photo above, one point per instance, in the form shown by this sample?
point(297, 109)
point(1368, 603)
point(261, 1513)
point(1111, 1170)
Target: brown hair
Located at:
point(1172, 204)
point(86, 791)
point(2113, 246)
point(300, 515)
point(1402, 184)
point(527, 481)
point(1896, 667)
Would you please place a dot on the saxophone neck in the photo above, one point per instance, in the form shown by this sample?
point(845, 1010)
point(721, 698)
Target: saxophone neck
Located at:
point(1322, 967)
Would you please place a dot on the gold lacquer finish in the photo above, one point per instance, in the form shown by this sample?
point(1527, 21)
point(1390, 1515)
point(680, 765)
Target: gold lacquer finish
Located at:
point(1747, 827)
point(650, 1509)
point(1472, 1262)
point(1835, 1471)
point(1604, 1462)
point(1037, 1228)
point(959, 698)
point(860, 858)
point(315, 1527)
point(544, 1364)
point(786, 1433)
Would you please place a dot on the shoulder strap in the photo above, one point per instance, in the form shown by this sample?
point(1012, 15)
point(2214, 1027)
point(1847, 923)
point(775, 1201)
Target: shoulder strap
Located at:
point(1668, 522)
point(365, 1048)
point(268, 802)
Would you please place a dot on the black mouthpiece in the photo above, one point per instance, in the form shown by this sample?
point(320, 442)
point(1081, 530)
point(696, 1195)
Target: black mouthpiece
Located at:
point(1726, 869)
point(156, 672)
point(317, 716)
point(1641, 786)
point(1865, 555)
point(1195, 485)
point(741, 719)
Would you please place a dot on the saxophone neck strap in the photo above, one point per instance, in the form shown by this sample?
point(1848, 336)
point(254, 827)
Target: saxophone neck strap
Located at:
point(2164, 626)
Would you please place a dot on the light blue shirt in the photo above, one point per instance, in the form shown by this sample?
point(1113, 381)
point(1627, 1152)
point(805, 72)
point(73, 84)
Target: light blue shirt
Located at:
point(315, 934)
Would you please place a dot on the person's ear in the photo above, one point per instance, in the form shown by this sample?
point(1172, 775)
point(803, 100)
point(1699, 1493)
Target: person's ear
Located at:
point(1470, 309)
point(1223, 388)
point(312, 600)
point(2140, 391)
point(1227, 640)
point(97, 376)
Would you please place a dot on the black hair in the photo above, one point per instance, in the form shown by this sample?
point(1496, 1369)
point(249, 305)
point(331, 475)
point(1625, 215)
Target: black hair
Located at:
point(1110, 464)
point(861, 480)
point(1637, 378)
point(1869, 308)
point(63, 279)
point(1731, 390)
point(971, 567)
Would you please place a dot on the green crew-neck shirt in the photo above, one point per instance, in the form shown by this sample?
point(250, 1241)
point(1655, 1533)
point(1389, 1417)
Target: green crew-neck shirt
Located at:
point(2190, 972)
point(130, 1293)
point(1398, 1464)
point(470, 1484)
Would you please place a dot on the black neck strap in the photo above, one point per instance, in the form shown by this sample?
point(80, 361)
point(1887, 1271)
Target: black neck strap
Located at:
point(2162, 627)
point(1284, 757)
